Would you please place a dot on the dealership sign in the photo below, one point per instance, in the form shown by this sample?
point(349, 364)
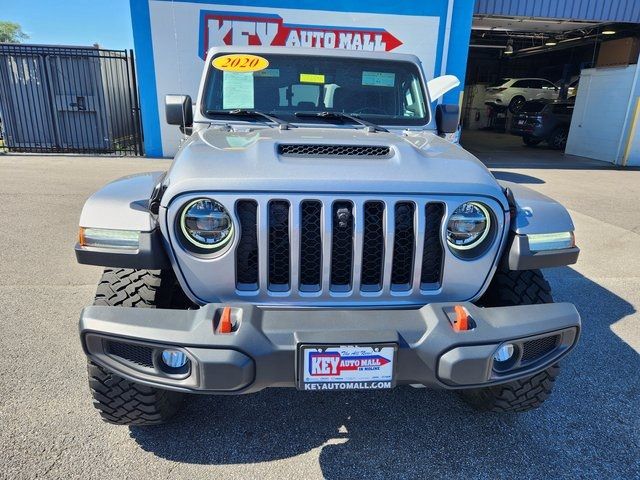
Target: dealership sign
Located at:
point(240, 29)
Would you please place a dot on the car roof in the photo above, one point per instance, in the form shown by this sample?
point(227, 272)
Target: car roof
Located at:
point(317, 52)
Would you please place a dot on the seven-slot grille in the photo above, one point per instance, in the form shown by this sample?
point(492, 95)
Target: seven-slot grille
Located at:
point(339, 246)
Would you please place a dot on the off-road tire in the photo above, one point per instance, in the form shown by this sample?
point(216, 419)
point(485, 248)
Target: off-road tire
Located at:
point(120, 401)
point(530, 141)
point(519, 396)
point(126, 287)
point(508, 288)
point(516, 287)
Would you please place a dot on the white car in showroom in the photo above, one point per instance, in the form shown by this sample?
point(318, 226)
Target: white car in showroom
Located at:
point(513, 92)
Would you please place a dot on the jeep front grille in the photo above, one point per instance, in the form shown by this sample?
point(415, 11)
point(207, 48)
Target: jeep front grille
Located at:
point(339, 246)
point(247, 251)
point(279, 246)
point(315, 150)
point(310, 245)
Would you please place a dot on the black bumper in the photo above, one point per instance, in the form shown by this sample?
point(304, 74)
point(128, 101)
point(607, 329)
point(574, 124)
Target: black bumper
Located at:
point(262, 349)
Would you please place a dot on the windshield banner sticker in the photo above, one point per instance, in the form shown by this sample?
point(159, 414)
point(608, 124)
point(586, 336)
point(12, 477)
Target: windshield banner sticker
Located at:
point(238, 28)
point(378, 79)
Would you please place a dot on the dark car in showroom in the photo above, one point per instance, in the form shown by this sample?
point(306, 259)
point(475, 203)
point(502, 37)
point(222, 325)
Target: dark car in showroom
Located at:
point(544, 121)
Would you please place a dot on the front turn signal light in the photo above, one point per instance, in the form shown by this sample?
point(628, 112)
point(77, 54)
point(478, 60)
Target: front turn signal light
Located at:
point(107, 238)
point(541, 242)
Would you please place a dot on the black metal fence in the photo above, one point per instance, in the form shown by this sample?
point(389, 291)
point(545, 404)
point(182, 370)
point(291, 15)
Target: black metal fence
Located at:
point(68, 100)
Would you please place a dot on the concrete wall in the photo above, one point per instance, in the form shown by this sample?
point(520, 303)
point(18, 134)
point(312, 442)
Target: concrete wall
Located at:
point(172, 37)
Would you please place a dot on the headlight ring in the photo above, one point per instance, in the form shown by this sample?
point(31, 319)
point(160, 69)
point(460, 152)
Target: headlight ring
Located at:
point(470, 230)
point(206, 225)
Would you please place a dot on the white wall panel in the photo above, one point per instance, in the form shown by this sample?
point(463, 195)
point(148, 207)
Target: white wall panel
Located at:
point(599, 122)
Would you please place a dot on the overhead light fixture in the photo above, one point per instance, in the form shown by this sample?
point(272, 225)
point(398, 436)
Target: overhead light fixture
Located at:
point(509, 49)
point(551, 41)
point(608, 32)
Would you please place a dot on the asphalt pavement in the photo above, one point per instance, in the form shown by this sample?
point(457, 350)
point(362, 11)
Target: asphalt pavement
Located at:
point(589, 428)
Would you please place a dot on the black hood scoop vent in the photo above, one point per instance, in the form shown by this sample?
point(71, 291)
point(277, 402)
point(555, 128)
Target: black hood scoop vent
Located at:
point(319, 150)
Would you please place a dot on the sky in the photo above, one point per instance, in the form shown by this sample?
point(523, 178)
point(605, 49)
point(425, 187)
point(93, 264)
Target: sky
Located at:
point(72, 22)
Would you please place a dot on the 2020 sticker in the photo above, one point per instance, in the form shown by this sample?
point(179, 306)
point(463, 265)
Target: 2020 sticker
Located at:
point(240, 62)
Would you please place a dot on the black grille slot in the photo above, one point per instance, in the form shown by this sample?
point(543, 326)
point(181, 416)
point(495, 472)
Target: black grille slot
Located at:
point(372, 247)
point(279, 246)
point(138, 354)
point(403, 242)
point(535, 349)
point(341, 246)
point(315, 150)
point(247, 251)
point(433, 252)
point(310, 246)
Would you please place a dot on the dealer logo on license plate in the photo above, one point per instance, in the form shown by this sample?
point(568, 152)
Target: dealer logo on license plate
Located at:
point(346, 367)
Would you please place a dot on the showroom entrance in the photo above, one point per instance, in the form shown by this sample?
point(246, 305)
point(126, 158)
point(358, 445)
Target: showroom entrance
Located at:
point(548, 89)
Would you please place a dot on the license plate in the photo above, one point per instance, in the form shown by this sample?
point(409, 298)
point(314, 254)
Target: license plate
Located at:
point(346, 367)
point(520, 122)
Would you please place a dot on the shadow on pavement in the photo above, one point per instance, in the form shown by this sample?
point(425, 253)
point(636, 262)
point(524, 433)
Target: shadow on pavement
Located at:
point(516, 177)
point(588, 428)
point(503, 150)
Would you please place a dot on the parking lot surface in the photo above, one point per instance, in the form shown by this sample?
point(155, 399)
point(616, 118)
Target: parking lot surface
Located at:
point(589, 428)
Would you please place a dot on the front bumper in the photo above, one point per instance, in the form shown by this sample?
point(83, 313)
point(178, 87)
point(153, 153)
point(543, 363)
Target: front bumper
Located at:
point(261, 351)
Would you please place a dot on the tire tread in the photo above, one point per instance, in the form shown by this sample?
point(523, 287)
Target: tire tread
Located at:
point(118, 400)
point(508, 288)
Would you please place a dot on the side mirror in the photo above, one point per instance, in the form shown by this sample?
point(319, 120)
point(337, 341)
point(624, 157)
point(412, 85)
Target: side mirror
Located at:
point(447, 118)
point(179, 110)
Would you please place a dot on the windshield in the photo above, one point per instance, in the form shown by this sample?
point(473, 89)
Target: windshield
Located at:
point(381, 91)
point(499, 83)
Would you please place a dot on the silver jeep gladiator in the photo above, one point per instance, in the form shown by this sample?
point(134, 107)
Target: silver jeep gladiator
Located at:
point(315, 230)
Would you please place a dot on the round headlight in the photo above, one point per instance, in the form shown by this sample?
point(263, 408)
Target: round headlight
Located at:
point(468, 226)
point(206, 224)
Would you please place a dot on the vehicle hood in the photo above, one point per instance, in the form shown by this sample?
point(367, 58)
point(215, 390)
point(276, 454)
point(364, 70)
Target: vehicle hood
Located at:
point(422, 163)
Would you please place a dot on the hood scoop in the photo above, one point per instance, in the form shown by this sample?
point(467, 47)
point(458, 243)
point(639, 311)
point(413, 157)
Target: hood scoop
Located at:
point(331, 150)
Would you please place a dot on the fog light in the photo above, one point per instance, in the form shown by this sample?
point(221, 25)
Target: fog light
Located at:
point(504, 353)
point(174, 358)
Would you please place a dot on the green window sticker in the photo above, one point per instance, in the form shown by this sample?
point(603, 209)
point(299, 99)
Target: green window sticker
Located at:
point(237, 90)
point(378, 79)
point(267, 72)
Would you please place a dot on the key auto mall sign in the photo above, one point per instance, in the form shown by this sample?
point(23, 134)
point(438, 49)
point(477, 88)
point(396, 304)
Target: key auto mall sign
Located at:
point(241, 28)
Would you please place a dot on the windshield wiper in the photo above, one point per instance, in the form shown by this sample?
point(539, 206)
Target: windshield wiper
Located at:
point(370, 126)
point(251, 113)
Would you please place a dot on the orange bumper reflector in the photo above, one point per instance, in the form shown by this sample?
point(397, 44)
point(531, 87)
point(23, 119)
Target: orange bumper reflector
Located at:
point(81, 236)
point(225, 325)
point(461, 323)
